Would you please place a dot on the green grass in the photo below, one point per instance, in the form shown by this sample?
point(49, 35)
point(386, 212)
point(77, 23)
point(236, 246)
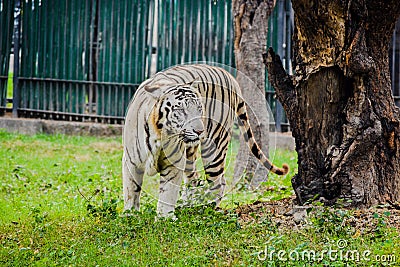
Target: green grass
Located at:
point(61, 204)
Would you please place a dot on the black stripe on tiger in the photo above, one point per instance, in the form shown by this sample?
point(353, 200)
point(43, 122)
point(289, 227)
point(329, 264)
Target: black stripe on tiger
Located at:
point(214, 174)
point(146, 128)
point(256, 151)
point(174, 151)
point(191, 174)
point(162, 181)
point(279, 172)
point(217, 163)
point(248, 135)
point(138, 171)
point(138, 146)
point(243, 117)
point(240, 105)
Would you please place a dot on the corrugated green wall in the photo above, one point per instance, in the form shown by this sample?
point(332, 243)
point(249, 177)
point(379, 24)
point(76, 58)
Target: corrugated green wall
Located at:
point(88, 56)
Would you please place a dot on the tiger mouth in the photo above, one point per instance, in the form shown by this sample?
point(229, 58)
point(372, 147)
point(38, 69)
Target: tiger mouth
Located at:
point(191, 141)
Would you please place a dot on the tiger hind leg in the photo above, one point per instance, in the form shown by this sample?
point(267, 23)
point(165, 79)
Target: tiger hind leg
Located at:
point(213, 157)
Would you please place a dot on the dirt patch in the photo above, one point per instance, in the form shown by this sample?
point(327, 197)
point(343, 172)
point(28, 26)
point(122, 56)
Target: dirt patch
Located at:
point(285, 214)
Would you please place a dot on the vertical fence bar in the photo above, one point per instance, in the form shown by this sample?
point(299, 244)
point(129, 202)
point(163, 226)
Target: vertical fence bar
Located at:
point(60, 56)
point(143, 43)
point(195, 33)
point(17, 30)
point(150, 37)
point(202, 32)
point(76, 55)
point(125, 19)
point(395, 63)
point(176, 30)
point(7, 27)
point(132, 42)
point(93, 52)
point(191, 32)
point(279, 41)
point(137, 31)
point(41, 90)
point(24, 60)
point(110, 59)
point(34, 59)
point(279, 37)
point(183, 37)
point(63, 57)
point(102, 44)
point(170, 34)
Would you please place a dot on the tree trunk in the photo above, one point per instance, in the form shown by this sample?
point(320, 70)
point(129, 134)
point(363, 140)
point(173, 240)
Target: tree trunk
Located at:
point(251, 24)
point(339, 102)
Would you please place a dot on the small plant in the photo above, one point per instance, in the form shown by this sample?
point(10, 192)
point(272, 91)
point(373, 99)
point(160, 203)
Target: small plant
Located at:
point(38, 216)
point(329, 220)
point(380, 224)
point(102, 206)
point(104, 209)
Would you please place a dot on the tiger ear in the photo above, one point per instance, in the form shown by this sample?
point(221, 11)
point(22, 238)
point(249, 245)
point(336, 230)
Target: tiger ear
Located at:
point(194, 83)
point(158, 83)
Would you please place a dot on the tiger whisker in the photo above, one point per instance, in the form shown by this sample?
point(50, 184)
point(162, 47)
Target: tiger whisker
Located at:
point(169, 137)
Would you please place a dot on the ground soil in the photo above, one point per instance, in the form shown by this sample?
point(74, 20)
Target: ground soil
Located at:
point(285, 214)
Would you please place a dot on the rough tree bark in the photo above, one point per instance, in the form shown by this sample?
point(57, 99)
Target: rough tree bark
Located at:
point(339, 102)
point(251, 24)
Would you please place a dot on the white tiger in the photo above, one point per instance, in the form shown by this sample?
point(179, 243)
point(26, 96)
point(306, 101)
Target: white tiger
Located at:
point(169, 117)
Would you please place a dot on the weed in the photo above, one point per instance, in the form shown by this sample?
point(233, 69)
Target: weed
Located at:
point(332, 221)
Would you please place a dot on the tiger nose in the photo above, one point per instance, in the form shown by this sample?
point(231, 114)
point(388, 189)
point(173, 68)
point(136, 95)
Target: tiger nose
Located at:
point(198, 131)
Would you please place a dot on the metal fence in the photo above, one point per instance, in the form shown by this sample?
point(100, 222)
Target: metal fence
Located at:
point(280, 29)
point(83, 59)
point(190, 31)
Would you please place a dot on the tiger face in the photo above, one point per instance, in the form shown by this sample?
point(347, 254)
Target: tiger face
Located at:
point(179, 112)
point(182, 115)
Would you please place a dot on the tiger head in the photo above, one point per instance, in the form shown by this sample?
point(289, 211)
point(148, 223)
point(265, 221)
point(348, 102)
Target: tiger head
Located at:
point(179, 111)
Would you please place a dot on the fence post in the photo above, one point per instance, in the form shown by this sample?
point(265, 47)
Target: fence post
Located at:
point(17, 32)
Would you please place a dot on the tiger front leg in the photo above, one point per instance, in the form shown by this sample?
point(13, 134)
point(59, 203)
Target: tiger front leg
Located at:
point(132, 184)
point(191, 193)
point(170, 183)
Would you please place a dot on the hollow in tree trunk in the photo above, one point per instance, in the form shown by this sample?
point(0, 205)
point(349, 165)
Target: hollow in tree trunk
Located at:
point(339, 102)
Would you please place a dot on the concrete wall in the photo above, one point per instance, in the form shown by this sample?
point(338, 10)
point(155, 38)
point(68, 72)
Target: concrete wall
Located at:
point(34, 126)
